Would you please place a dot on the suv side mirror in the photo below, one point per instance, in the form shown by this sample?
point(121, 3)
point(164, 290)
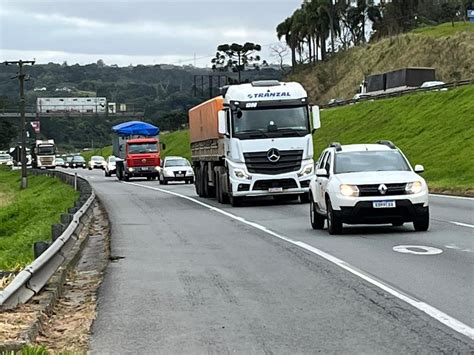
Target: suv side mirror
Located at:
point(419, 168)
point(316, 117)
point(321, 173)
point(222, 126)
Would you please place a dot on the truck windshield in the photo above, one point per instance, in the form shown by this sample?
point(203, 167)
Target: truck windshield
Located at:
point(46, 150)
point(355, 162)
point(271, 123)
point(134, 148)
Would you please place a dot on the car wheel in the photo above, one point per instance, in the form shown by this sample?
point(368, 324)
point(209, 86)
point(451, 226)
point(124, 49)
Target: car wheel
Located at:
point(334, 223)
point(317, 221)
point(422, 223)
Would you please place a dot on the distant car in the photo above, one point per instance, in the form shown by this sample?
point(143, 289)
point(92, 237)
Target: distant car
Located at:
point(361, 95)
point(335, 101)
point(6, 159)
point(77, 161)
point(175, 169)
point(97, 162)
point(110, 167)
point(430, 84)
point(367, 184)
point(60, 162)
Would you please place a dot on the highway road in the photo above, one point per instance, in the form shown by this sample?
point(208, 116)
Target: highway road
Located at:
point(200, 277)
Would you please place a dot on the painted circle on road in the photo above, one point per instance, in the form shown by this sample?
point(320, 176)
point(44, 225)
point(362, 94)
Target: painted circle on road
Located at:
point(417, 250)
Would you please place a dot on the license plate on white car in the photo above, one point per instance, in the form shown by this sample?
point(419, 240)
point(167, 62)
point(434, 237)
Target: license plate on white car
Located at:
point(179, 175)
point(384, 204)
point(275, 189)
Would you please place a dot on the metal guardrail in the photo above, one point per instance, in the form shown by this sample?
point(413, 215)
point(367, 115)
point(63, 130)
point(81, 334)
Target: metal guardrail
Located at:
point(398, 93)
point(35, 276)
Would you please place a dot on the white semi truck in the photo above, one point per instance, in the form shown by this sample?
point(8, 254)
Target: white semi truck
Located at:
point(254, 140)
point(43, 154)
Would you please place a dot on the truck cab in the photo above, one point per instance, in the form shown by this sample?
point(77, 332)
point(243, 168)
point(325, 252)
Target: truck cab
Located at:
point(44, 154)
point(137, 149)
point(265, 132)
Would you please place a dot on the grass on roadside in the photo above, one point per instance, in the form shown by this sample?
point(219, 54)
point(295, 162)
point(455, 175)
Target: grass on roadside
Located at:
point(28, 215)
point(445, 29)
point(435, 129)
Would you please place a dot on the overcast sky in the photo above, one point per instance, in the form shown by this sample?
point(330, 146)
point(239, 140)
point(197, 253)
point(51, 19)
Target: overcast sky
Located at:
point(127, 32)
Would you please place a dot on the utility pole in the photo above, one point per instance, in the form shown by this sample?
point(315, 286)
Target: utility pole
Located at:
point(21, 77)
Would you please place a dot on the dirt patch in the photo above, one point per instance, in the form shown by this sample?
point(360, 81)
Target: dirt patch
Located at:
point(67, 329)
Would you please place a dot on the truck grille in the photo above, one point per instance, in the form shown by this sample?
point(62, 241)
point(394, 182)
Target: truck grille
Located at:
point(143, 161)
point(266, 184)
point(373, 190)
point(258, 163)
point(46, 161)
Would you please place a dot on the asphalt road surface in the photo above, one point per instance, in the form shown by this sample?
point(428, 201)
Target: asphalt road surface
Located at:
point(200, 277)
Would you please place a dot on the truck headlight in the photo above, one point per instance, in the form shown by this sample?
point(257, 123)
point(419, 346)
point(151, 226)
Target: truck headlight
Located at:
point(241, 174)
point(349, 190)
point(131, 170)
point(157, 168)
point(414, 187)
point(308, 169)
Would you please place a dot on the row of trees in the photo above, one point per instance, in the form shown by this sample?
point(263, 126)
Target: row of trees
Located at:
point(319, 28)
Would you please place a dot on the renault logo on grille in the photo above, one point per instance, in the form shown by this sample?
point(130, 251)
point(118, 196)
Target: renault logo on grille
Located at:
point(382, 189)
point(273, 155)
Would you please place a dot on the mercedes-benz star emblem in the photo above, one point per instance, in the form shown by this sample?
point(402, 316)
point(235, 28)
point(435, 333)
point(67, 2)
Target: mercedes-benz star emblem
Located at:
point(273, 155)
point(143, 160)
point(382, 189)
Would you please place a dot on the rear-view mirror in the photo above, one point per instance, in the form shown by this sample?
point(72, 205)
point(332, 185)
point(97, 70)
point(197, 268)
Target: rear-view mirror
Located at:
point(316, 117)
point(321, 172)
point(419, 168)
point(163, 146)
point(221, 117)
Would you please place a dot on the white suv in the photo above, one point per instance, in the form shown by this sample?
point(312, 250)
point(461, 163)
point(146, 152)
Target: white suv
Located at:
point(367, 184)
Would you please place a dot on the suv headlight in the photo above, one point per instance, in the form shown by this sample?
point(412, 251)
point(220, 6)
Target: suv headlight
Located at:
point(308, 169)
point(414, 187)
point(241, 174)
point(349, 190)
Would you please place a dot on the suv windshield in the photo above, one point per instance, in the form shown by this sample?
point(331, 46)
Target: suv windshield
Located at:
point(96, 158)
point(271, 122)
point(176, 162)
point(355, 162)
point(142, 148)
point(78, 158)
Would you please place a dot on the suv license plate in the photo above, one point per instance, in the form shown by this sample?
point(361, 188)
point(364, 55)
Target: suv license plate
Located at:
point(275, 189)
point(383, 204)
point(179, 175)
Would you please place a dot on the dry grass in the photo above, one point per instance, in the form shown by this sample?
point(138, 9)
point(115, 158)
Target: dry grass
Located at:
point(5, 198)
point(340, 77)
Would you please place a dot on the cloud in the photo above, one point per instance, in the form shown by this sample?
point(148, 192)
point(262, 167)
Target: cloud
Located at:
point(131, 31)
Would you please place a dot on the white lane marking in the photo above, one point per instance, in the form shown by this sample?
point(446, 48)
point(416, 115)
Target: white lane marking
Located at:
point(433, 312)
point(452, 246)
point(454, 197)
point(462, 224)
point(408, 249)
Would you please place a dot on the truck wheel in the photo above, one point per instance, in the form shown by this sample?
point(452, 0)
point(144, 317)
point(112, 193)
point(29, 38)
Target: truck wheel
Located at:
point(126, 177)
point(218, 188)
point(334, 223)
point(317, 221)
point(422, 223)
point(198, 182)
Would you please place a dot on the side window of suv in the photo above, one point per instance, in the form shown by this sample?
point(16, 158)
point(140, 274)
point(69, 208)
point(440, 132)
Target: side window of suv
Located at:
point(321, 160)
point(327, 164)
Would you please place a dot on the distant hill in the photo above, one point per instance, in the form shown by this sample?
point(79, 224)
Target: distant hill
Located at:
point(448, 49)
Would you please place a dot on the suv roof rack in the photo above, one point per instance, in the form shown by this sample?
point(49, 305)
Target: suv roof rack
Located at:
point(387, 143)
point(336, 145)
point(260, 83)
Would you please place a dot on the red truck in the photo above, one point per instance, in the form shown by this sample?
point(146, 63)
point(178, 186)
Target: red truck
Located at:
point(137, 148)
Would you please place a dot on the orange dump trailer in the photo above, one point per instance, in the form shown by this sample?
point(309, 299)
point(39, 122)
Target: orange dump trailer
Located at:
point(203, 123)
